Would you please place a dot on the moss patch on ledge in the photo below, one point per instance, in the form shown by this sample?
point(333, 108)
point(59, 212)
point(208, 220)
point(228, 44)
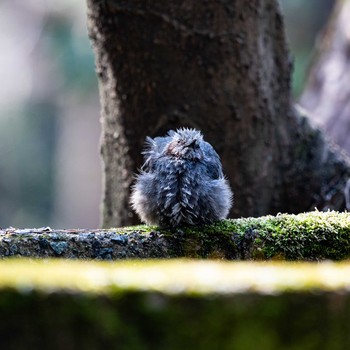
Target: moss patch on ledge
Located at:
point(174, 304)
point(309, 236)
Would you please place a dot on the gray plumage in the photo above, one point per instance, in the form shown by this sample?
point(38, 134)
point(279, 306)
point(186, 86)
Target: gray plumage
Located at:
point(181, 182)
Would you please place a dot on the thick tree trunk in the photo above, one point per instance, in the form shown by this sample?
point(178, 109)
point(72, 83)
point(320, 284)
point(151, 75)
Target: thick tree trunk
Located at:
point(222, 67)
point(327, 93)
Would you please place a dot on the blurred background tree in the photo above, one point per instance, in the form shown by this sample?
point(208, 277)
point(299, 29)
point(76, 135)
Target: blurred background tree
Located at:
point(326, 95)
point(304, 22)
point(49, 108)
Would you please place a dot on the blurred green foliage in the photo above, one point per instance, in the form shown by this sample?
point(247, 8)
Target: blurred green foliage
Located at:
point(27, 145)
point(304, 21)
point(62, 68)
point(73, 54)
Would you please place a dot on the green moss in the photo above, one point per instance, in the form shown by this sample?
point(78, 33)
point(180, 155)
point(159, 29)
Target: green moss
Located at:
point(315, 235)
point(311, 236)
point(308, 236)
point(136, 228)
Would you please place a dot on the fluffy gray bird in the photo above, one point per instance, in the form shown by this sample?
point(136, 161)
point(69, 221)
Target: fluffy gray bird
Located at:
point(181, 182)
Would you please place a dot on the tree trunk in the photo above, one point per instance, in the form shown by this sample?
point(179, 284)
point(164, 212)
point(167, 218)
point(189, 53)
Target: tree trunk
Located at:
point(222, 67)
point(327, 93)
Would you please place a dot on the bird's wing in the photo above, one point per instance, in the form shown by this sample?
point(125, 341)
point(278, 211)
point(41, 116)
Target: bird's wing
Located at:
point(212, 161)
point(152, 150)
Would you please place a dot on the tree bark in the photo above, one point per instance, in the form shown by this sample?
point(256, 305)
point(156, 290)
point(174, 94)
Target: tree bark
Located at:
point(222, 67)
point(327, 93)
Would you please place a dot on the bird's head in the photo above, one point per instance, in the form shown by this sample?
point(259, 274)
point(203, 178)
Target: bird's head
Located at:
point(185, 144)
